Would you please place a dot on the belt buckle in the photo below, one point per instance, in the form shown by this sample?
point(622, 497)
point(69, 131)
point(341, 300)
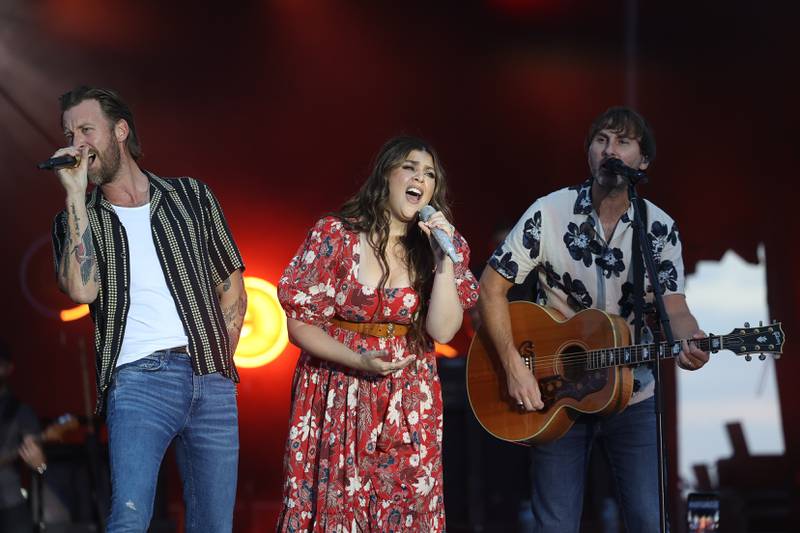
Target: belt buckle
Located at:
point(389, 329)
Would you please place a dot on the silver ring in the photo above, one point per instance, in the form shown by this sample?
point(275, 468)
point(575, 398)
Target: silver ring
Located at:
point(521, 403)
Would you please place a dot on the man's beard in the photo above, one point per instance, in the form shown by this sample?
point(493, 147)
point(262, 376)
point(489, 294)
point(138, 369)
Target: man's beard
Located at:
point(109, 165)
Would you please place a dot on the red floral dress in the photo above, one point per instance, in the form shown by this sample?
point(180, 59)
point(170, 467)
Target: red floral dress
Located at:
point(364, 452)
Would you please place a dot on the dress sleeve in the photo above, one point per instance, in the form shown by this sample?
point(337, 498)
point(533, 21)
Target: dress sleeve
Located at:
point(466, 284)
point(307, 288)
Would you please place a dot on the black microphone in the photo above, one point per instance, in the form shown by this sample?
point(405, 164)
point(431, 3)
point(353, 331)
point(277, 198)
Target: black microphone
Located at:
point(61, 161)
point(444, 240)
point(615, 166)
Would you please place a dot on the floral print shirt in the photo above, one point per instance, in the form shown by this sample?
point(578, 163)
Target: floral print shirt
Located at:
point(561, 235)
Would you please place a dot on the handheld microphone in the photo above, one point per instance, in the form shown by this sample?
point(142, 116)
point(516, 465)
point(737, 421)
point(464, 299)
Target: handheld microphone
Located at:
point(616, 166)
point(62, 161)
point(444, 240)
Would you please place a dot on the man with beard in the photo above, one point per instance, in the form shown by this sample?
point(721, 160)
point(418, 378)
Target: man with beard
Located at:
point(580, 241)
point(157, 264)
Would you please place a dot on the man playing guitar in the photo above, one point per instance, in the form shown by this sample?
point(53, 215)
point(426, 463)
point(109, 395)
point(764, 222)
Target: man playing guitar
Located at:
point(580, 240)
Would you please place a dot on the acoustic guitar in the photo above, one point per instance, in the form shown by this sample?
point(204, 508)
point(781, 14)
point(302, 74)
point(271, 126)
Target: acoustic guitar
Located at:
point(582, 365)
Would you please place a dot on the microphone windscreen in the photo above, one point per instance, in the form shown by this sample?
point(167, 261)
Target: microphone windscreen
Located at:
point(426, 212)
point(614, 165)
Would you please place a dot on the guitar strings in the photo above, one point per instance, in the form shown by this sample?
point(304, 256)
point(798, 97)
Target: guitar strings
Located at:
point(582, 358)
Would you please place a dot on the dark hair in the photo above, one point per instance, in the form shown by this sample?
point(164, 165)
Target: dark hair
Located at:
point(368, 211)
point(627, 122)
point(113, 106)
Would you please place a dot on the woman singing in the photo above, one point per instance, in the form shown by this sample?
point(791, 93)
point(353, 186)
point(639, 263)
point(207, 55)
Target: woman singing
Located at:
point(366, 295)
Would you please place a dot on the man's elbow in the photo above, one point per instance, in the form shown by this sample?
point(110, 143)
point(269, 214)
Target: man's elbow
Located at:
point(493, 286)
point(488, 298)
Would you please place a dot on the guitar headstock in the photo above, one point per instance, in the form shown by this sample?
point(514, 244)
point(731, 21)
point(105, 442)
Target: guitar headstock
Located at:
point(56, 430)
point(764, 340)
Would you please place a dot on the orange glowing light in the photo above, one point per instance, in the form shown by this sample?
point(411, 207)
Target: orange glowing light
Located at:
point(445, 350)
point(264, 335)
point(74, 313)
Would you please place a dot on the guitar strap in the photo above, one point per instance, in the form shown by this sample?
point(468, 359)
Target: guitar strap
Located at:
point(638, 278)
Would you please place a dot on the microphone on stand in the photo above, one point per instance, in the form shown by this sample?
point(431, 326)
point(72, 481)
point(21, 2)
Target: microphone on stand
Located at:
point(61, 161)
point(615, 166)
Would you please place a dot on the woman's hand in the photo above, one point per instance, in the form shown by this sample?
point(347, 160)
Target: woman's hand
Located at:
point(437, 220)
point(373, 362)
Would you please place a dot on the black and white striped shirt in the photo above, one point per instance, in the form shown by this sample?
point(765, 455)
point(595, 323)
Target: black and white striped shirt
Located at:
point(196, 251)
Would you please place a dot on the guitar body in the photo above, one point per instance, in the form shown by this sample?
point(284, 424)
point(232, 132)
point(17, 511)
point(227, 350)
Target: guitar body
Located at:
point(546, 340)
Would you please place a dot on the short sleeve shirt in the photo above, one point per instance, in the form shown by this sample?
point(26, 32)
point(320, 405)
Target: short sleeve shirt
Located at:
point(561, 236)
point(196, 251)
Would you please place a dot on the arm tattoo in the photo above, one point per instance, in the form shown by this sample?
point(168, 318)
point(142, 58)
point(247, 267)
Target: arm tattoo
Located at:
point(84, 255)
point(83, 251)
point(63, 265)
point(226, 285)
point(234, 313)
point(234, 318)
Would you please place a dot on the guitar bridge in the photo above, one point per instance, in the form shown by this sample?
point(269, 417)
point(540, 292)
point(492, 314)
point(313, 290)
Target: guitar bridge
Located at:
point(526, 350)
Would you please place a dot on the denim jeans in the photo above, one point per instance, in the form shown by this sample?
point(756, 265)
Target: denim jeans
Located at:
point(559, 470)
point(152, 402)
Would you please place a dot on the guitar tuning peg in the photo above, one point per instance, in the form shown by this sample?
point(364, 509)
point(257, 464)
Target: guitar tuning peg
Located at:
point(747, 324)
point(762, 357)
point(748, 357)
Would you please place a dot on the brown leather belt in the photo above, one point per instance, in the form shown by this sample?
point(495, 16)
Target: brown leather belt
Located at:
point(375, 329)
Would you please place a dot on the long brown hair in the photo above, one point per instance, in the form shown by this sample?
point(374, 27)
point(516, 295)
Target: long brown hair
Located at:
point(368, 211)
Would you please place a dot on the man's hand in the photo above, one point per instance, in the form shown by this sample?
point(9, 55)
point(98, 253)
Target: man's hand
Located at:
point(523, 387)
point(75, 180)
point(32, 453)
point(692, 357)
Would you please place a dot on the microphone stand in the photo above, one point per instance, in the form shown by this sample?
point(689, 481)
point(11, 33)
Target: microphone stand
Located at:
point(658, 291)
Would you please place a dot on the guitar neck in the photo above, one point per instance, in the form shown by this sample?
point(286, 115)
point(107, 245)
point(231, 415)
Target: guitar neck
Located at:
point(646, 353)
point(741, 341)
point(640, 353)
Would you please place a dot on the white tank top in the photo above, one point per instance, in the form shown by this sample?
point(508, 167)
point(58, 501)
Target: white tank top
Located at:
point(153, 322)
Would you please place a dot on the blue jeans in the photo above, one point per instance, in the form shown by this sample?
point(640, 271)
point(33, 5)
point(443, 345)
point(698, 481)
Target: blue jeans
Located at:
point(151, 402)
point(559, 470)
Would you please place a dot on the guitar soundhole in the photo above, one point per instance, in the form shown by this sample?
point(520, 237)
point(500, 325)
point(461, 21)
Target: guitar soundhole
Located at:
point(571, 364)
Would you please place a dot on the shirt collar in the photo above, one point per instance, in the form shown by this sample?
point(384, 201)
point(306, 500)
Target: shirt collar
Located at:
point(583, 202)
point(158, 186)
